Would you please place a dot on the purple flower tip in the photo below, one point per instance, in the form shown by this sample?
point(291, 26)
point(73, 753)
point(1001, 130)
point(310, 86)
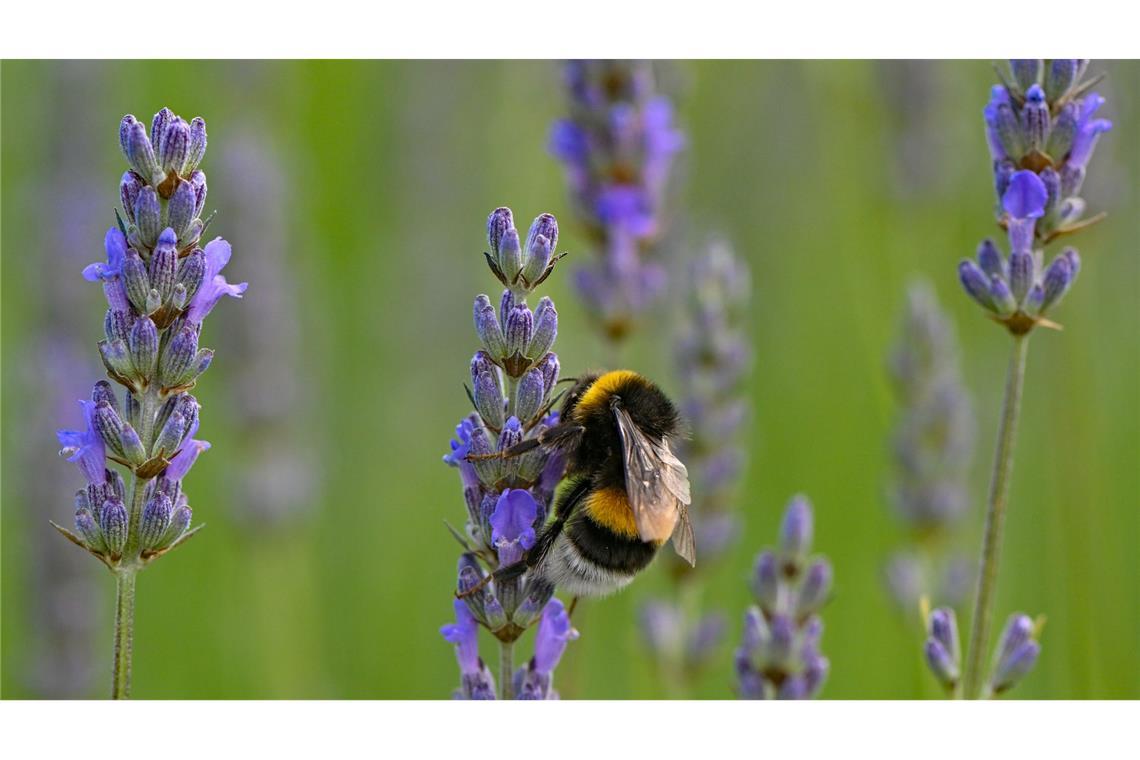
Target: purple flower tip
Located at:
point(464, 634)
point(1025, 197)
point(554, 632)
point(85, 447)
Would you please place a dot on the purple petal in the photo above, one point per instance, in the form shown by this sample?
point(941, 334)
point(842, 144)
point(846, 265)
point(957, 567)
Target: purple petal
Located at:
point(464, 633)
point(554, 631)
point(513, 518)
point(89, 451)
point(185, 458)
point(1025, 197)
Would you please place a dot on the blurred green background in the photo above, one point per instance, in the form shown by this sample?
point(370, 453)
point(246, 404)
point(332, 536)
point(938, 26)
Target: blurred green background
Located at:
point(355, 194)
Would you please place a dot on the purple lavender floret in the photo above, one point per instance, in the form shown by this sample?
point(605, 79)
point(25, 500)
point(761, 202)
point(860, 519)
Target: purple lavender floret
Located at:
point(617, 145)
point(159, 287)
point(513, 377)
point(779, 656)
point(932, 447)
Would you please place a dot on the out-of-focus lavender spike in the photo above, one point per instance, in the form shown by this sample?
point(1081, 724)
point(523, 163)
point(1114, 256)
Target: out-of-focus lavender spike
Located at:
point(617, 144)
point(284, 461)
point(932, 445)
point(779, 656)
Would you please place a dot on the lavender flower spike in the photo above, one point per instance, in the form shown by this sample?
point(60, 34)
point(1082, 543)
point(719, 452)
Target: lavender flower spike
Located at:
point(779, 657)
point(1041, 130)
point(713, 360)
point(932, 446)
point(159, 287)
point(513, 375)
point(617, 144)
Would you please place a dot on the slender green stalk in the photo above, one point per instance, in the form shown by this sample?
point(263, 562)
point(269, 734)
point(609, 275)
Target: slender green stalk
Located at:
point(995, 519)
point(506, 670)
point(124, 632)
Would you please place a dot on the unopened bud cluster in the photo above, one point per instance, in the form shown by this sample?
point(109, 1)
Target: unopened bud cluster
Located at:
point(513, 377)
point(1014, 657)
point(780, 656)
point(159, 286)
point(618, 145)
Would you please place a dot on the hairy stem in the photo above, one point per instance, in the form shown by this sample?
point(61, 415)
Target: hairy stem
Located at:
point(506, 670)
point(995, 519)
point(124, 633)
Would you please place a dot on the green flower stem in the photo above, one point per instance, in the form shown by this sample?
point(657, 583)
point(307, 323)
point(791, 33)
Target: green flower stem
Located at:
point(995, 519)
point(124, 632)
point(506, 670)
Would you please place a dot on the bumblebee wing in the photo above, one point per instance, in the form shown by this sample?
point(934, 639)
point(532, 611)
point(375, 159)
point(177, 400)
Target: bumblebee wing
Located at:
point(683, 541)
point(656, 482)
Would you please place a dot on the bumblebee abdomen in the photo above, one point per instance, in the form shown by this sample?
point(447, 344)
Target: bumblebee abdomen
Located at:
point(609, 508)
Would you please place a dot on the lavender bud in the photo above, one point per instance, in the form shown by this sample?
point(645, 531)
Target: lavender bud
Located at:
point(202, 361)
point(1027, 73)
point(944, 630)
point(158, 125)
point(1002, 297)
point(793, 687)
point(518, 330)
point(940, 662)
point(137, 148)
point(177, 364)
point(1064, 131)
point(1060, 76)
point(136, 281)
point(1058, 278)
point(488, 328)
point(783, 635)
point(1072, 178)
point(989, 259)
point(197, 146)
point(815, 673)
point(815, 588)
point(489, 398)
point(129, 188)
point(976, 284)
point(1035, 299)
point(178, 298)
point(496, 615)
point(87, 528)
point(115, 356)
point(1015, 666)
point(1008, 131)
point(155, 521)
point(481, 362)
point(510, 255)
point(174, 145)
point(545, 328)
point(103, 393)
point(133, 449)
point(796, 528)
point(549, 367)
point(117, 324)
point(1035, 118)
point(180, 210)
point(470, 575)
point(170, 437)
point(1020, 273)
point(538, 592)
point(143, 347)
point(498, 224)
point(541, 242)
point(179, 522)
point(148, 216)
point(113, 524)
point(198, 182)
point(1052, 181)
point(766, 581)
point(191, 271)
point(530, 393)
point(109, 426)
point(164, 264)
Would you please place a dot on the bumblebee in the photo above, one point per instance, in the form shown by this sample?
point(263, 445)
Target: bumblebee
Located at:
point(626, 492)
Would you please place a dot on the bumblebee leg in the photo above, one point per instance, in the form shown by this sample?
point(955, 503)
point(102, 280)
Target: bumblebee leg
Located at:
point(573, 604)
point(504, 573)
point(554, 437)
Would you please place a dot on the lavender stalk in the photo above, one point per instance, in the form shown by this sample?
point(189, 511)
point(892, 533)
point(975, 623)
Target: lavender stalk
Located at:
point(617, 144)
point(513, 376)
point(160, 286)
point(1041, 127)
point(779, 657)
point(712, 358)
